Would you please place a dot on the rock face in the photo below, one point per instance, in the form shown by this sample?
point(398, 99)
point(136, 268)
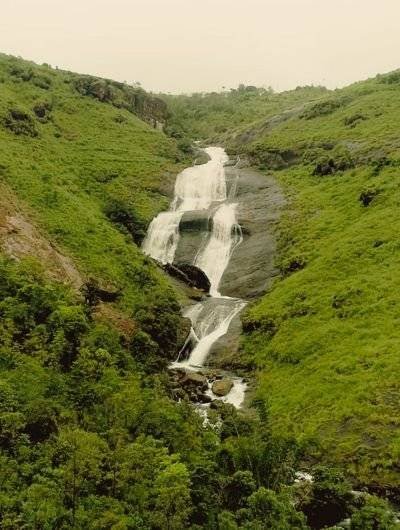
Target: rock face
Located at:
point(222, 387)
point(194, 228)
point(251, 268)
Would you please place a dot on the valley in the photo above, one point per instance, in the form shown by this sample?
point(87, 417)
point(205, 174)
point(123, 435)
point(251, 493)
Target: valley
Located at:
point(232, 252)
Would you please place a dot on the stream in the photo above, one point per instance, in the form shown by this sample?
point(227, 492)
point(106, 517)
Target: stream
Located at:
point(204, 187)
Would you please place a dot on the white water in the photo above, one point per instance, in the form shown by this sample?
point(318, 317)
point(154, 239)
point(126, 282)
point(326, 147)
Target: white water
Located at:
point(226, 235)
point(199, 188)
point(162, 237)
point(209, 327)
point(196, 188)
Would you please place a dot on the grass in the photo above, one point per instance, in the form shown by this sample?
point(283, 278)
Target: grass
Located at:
point(83, 155)
point(326, 338)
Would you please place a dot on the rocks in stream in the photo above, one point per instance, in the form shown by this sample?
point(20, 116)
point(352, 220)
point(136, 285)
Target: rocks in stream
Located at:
point(222, 387)
point(186, 384)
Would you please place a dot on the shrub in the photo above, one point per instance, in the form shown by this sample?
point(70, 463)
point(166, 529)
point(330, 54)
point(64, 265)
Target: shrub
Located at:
point(323, 108)
point(390, 79)
point(353, 120)
point(374, 515)
point(368, 195)
point(42, 81)
point(329, 500)
point(20, 122)
point(126, 219)
point(42, 110)
point(339, 159)
point(21, 73)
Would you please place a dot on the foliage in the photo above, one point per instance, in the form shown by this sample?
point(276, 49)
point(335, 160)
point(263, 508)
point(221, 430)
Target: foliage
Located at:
point(375, 514)
point(325, 338)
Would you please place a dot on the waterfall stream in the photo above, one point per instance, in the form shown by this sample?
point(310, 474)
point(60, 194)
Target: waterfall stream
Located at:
point(201, 188)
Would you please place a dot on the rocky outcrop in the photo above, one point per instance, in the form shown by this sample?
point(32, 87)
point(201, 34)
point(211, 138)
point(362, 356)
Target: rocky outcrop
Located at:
point(251, 268)
point(149, 108)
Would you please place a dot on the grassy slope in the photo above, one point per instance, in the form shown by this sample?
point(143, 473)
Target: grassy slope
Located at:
point(215, 115)
point(87, 154)
point(326, 338)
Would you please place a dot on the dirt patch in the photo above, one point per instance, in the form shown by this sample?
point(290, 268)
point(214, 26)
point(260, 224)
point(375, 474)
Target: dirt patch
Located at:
point(19, 238)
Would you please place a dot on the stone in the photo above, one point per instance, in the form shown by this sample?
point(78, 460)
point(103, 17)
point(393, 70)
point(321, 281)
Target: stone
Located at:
point(193, 379)
point(222, 387)
point(189, 274)
point(203, 398)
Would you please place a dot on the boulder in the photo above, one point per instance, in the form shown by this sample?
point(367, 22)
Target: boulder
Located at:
point(193, 379)
point(197, 277)
point(222, 387)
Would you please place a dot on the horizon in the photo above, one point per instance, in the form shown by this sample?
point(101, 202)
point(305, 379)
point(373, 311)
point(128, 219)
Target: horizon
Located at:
point(169, 48)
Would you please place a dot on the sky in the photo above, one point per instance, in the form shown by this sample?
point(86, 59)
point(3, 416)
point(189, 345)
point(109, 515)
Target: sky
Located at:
point(202, 45)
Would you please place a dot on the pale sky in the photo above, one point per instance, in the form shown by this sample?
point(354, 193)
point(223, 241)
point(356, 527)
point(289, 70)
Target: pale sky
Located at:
point(198, 45)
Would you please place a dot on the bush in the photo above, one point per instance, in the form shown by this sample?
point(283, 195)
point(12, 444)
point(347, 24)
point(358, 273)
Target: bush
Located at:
point(20, 122)
point(329, 501)
point(42, 81)
point(374, 515)
point(390, 79)
point(323, 108)
point(126, 219)
point(353, 120)
point(339, 159)
point(368, 195)
point(42, 110)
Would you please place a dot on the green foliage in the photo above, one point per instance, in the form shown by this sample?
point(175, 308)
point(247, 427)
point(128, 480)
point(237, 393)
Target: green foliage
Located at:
point(323, 108)
point(324, 338)
point(88, 441)
point(375, 514)
point(329, 500)
point(20, 122)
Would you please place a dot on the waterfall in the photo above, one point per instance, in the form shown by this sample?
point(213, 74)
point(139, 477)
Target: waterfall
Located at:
point(196, 188)
point(226, 235)
point(201, 188)
point(210, 322)
point(163, 236)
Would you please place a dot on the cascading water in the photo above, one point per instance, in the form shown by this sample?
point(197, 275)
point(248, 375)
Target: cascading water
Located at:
point(196, 188)
point(199, 188)
point(225, 236)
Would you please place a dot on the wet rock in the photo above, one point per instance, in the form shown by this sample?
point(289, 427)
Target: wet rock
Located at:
point(195, 221)
point(222, 387)
point(193, 379)
point(189, 274)
point(203, 398)
point(196, 276)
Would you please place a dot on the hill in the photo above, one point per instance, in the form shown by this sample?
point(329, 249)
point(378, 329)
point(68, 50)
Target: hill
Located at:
point(325, 339)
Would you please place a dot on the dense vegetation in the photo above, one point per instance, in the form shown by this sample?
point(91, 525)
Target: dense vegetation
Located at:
point(89, 441)
point(89, 434)
point(325, 338)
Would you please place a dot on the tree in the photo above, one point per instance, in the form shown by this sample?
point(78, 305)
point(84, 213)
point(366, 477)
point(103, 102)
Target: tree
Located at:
point(81, 455)
point(172, 489)
point(376, 514)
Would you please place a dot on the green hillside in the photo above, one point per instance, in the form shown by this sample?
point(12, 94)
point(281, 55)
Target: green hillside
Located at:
point(88, 171)
point(92, 435)
point(326, 338)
